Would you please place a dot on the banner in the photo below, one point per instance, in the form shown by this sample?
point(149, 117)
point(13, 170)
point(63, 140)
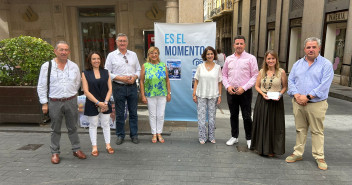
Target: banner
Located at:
point(181, 47)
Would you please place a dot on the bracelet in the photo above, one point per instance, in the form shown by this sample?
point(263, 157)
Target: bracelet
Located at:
point(106, 102)
point(280, 94)
point(97, 103)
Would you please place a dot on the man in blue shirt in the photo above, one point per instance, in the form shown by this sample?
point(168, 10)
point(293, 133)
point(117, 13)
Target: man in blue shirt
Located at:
point(309, 82)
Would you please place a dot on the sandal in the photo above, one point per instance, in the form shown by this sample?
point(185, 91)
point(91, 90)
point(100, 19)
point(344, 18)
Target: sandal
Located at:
point(154, 139)
point(202, 142)
point(95, 153)
point(110, 150)
point(213, 141)
point(160, 138)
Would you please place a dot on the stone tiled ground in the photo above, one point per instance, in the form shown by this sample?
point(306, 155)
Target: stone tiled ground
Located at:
point(181, 159)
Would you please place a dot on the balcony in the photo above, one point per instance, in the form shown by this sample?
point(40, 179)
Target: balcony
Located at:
point(218, 10)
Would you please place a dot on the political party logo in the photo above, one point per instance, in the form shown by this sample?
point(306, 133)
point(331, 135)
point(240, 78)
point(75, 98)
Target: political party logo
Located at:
point(197, 61)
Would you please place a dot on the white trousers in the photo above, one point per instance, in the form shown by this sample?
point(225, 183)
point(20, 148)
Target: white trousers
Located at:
point(105, 124)
point(156, 108)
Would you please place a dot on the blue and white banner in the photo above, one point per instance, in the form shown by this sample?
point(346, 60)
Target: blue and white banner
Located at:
point(181, 47)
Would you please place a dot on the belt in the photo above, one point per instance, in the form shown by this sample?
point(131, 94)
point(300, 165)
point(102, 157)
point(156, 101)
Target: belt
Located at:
point(309, 101)
point(315, 102)
point(62, 99)
point(124, 84)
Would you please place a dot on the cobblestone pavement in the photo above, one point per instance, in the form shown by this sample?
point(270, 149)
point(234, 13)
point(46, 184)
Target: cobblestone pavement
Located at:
point(181, 159)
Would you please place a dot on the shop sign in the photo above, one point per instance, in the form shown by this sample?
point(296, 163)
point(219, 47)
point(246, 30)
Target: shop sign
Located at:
point(271, 26)
point(296, 22)
point(339, 16)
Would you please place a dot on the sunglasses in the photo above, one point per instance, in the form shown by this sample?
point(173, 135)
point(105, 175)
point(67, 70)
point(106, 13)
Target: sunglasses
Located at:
point(124, 57)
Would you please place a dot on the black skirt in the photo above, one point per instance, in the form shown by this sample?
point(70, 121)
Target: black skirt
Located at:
point(268, 131)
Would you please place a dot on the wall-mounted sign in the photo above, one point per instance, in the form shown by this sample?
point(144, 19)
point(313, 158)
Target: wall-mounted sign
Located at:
point(271, 26)
point(155, 13)
point(29, 15)
point(338, 16)
point(296, 22)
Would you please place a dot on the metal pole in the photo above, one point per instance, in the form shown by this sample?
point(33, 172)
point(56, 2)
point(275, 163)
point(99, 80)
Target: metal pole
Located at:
point(350, 79)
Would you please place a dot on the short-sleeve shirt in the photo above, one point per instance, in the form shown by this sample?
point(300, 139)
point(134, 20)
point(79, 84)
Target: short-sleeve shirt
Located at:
point(155, 79)
point(208, 81)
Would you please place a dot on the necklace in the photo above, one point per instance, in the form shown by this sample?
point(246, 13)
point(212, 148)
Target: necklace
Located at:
point(208, 67)
point(270, 83)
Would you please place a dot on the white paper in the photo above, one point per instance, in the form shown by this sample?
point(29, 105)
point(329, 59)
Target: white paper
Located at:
point(273, 95)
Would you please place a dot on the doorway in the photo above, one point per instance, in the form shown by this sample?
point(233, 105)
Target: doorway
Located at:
point(295, 46)
point(335, 45)
point(98, 31)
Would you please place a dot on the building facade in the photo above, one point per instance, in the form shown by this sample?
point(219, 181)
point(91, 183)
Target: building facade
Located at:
point(283, 25)
point(93, 24)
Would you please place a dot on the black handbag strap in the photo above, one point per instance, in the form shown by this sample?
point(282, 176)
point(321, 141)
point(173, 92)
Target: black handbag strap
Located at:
point(48, 80)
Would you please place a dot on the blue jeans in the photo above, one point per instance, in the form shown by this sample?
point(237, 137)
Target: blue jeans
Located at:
point(121, 93)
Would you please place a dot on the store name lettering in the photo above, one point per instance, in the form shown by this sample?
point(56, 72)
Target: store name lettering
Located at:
point(339, 16)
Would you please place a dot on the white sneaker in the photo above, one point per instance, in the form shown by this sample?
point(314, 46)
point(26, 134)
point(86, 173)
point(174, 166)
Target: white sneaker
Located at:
point(249, 143)
point(232, 141)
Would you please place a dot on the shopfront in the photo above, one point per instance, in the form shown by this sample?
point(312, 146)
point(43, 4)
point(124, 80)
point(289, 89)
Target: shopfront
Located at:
point(97, 30)
point(335, 36)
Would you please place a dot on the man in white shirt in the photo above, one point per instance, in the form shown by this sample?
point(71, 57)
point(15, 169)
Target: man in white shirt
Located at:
point(61, 101)
point(124, 69)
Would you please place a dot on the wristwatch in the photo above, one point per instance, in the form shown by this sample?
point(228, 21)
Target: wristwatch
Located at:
point(309, 98)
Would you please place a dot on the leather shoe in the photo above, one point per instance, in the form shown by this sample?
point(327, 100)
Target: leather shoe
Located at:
point(95, 153)
point(110, 150)
point(79, 154)
point(55, 159)
point(135, 140)
point(119, 140)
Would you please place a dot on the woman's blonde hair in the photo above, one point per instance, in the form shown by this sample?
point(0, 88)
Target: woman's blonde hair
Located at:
point(152, 49)
point(265, 65)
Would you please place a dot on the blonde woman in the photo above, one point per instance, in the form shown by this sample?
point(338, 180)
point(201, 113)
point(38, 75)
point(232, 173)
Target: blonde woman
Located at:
point(155, 91)
point(268, 132)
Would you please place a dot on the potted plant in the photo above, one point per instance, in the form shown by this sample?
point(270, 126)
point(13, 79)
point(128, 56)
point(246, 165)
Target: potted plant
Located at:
point(20, 62)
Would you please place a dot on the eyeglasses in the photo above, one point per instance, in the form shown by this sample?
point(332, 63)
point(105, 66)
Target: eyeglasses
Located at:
point(124, 57)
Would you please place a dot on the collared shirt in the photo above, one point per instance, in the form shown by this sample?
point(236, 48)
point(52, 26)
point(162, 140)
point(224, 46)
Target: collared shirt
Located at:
point(240, 71)
point(118, 66)
point(314, 80)
point(63, 83)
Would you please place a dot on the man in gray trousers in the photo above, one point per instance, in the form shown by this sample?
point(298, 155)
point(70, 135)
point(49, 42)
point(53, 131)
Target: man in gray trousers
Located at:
point(64, 83)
